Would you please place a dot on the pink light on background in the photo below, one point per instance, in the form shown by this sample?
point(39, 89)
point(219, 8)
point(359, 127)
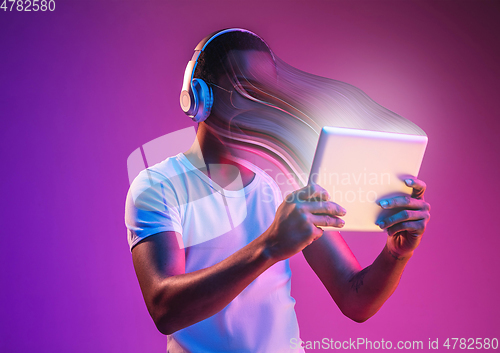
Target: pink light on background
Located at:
point(84, 86)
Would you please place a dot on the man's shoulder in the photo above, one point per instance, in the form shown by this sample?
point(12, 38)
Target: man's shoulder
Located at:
point(161, 173)
point(165, 169)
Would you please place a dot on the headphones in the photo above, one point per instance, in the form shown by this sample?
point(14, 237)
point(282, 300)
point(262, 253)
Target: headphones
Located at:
point(196, 96)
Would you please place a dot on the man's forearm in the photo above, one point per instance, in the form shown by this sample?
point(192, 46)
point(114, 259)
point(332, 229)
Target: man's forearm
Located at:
point(185, 299)
point(368, 289)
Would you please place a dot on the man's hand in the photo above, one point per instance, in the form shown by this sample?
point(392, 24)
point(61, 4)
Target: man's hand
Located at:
point(405, 228)
point(297, 221)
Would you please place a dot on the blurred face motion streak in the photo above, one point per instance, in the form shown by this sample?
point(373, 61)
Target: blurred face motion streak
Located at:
point(264, 106)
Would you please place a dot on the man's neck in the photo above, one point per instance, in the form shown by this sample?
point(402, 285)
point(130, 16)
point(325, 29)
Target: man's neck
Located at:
point(209, 150)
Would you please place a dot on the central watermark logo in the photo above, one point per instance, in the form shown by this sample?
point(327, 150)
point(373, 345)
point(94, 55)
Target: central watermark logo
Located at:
point(161, 189)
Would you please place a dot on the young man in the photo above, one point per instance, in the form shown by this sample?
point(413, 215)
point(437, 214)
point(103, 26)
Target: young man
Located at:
point(211, 237)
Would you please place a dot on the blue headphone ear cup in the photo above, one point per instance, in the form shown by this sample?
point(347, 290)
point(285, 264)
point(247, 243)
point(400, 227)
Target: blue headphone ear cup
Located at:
point(205, 99)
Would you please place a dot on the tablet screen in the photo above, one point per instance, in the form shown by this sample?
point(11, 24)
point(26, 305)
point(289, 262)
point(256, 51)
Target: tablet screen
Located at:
point(360, 167)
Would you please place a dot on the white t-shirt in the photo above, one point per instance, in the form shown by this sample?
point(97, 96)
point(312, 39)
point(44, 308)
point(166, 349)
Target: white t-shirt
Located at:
point(214, 223)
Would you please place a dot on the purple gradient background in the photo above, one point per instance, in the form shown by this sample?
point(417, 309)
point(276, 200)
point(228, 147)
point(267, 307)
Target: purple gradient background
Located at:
point(84, 86)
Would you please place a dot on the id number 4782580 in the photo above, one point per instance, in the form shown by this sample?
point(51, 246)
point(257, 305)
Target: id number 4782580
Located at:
point(471, 343)
point(28, 5)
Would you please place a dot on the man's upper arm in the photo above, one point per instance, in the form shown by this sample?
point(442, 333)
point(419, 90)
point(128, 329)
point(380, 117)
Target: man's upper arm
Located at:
point(333, 262)
point(155, 258)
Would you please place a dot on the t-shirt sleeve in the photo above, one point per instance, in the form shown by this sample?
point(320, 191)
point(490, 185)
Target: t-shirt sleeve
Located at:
point(151, 207)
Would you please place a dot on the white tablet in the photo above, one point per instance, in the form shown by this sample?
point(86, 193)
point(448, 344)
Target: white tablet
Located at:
point(360, 167)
